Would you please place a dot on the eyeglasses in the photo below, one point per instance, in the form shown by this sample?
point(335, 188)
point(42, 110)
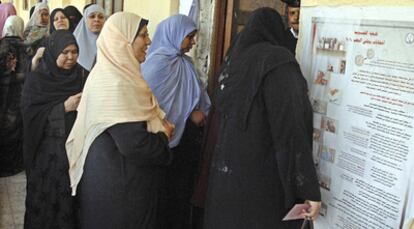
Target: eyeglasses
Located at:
point(143, 35)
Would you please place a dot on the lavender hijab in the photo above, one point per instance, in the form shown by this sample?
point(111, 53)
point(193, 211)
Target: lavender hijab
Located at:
point(171, 74)
point(87, 39)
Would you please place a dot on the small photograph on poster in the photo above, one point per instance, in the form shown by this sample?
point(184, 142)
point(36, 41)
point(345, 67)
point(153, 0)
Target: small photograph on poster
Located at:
point(325, 182)
point(327, 154)
point(321, 78)
point(329, 124)
point(342, 66)
point(317, 133)
point(334, 95)
point(319, 106)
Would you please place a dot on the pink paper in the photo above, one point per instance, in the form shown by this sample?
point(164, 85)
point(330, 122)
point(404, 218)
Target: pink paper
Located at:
point(296, 212)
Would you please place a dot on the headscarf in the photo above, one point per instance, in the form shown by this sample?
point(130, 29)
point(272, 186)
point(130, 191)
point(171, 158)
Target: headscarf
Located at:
point(171, 74)
point(6, 10)
point(115, 92)
point(13, 27)
point(74, 16)
point(86, 39)
point(52, 18)
point(44, 88)
point(35, 31)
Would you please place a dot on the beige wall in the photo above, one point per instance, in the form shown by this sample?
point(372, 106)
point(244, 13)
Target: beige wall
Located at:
point(153, 10)
point(52, 5)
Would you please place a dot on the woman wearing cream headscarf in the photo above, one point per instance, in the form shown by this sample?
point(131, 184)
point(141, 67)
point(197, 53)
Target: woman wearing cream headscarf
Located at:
point(37, 28)
point(119, 142)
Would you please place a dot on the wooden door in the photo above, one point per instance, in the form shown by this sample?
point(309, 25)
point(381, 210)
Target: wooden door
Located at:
point(231, 16)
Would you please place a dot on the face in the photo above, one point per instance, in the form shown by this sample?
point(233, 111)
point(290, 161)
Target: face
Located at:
point(68, 57)
point(140, 44)
point(43, 16)
point(95, 22)
point(60, 21)
point(188, 42)
point(293, 18)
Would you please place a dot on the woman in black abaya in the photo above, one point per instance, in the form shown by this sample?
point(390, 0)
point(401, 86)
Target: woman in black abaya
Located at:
point(50, 97)
point(262, 163)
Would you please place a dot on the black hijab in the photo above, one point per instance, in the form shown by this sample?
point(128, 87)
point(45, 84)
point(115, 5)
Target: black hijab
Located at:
point(52, 19)
point(257, 50)
point(74, 17)
point(44, 88)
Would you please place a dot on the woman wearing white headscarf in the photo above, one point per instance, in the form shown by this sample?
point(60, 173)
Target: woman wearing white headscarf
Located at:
point(118, 146)
point(37, 28)
point(13, 26)
point(86, 34)
point(13, 36)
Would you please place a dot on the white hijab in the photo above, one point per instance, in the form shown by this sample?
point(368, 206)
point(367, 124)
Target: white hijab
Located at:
point(86, 39)
point(115, 92)
point(13, 26)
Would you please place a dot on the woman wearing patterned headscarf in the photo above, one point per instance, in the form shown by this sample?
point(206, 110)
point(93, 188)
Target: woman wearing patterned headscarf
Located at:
point(172, 77)
point(50, 97)
point(86, 34)
point(119, 143)
point(37, 28)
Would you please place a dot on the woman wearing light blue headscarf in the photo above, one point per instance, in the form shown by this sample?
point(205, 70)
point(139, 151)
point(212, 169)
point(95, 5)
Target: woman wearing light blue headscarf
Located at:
point(172, 77)
point(86, 34)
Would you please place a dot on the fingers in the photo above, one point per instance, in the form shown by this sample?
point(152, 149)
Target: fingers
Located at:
point(313, 211)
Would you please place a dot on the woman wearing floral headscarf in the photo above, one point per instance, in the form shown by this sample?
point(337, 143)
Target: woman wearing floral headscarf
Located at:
point(37, 28)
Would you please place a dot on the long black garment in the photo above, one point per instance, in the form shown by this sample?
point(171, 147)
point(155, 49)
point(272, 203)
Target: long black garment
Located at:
point(122, 175)
point(11, 125)
point(262, 162)
point(178, 187)
point(49, 203)
point(290, 41)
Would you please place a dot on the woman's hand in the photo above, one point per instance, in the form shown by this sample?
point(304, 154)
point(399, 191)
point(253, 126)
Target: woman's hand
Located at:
point(313, 211)
point(169, 128)
point(198, 117)
point(36, 58)
point(72, 102)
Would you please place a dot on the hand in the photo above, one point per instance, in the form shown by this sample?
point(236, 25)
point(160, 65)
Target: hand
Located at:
point(169, 128)
point(72, 102)
point(313, 211)
point(198, 117)
point(36, 58)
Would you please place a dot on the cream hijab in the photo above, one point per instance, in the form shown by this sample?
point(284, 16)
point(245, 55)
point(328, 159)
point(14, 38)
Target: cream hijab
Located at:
point(115, 92)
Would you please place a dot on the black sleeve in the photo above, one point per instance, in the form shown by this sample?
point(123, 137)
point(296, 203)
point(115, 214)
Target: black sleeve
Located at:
point(136, 143)
point(56, 121)
point(290, 116)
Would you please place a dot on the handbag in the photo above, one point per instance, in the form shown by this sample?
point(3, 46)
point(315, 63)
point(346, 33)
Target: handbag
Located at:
point(307, 221)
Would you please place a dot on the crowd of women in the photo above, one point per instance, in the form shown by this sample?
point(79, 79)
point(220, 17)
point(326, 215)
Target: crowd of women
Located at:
point(108, 124)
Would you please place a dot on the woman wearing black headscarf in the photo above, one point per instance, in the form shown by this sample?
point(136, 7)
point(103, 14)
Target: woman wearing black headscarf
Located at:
point(50, 97)
point(74, 16)
point(59, 20)
point(262, 162)
point(10, 119)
